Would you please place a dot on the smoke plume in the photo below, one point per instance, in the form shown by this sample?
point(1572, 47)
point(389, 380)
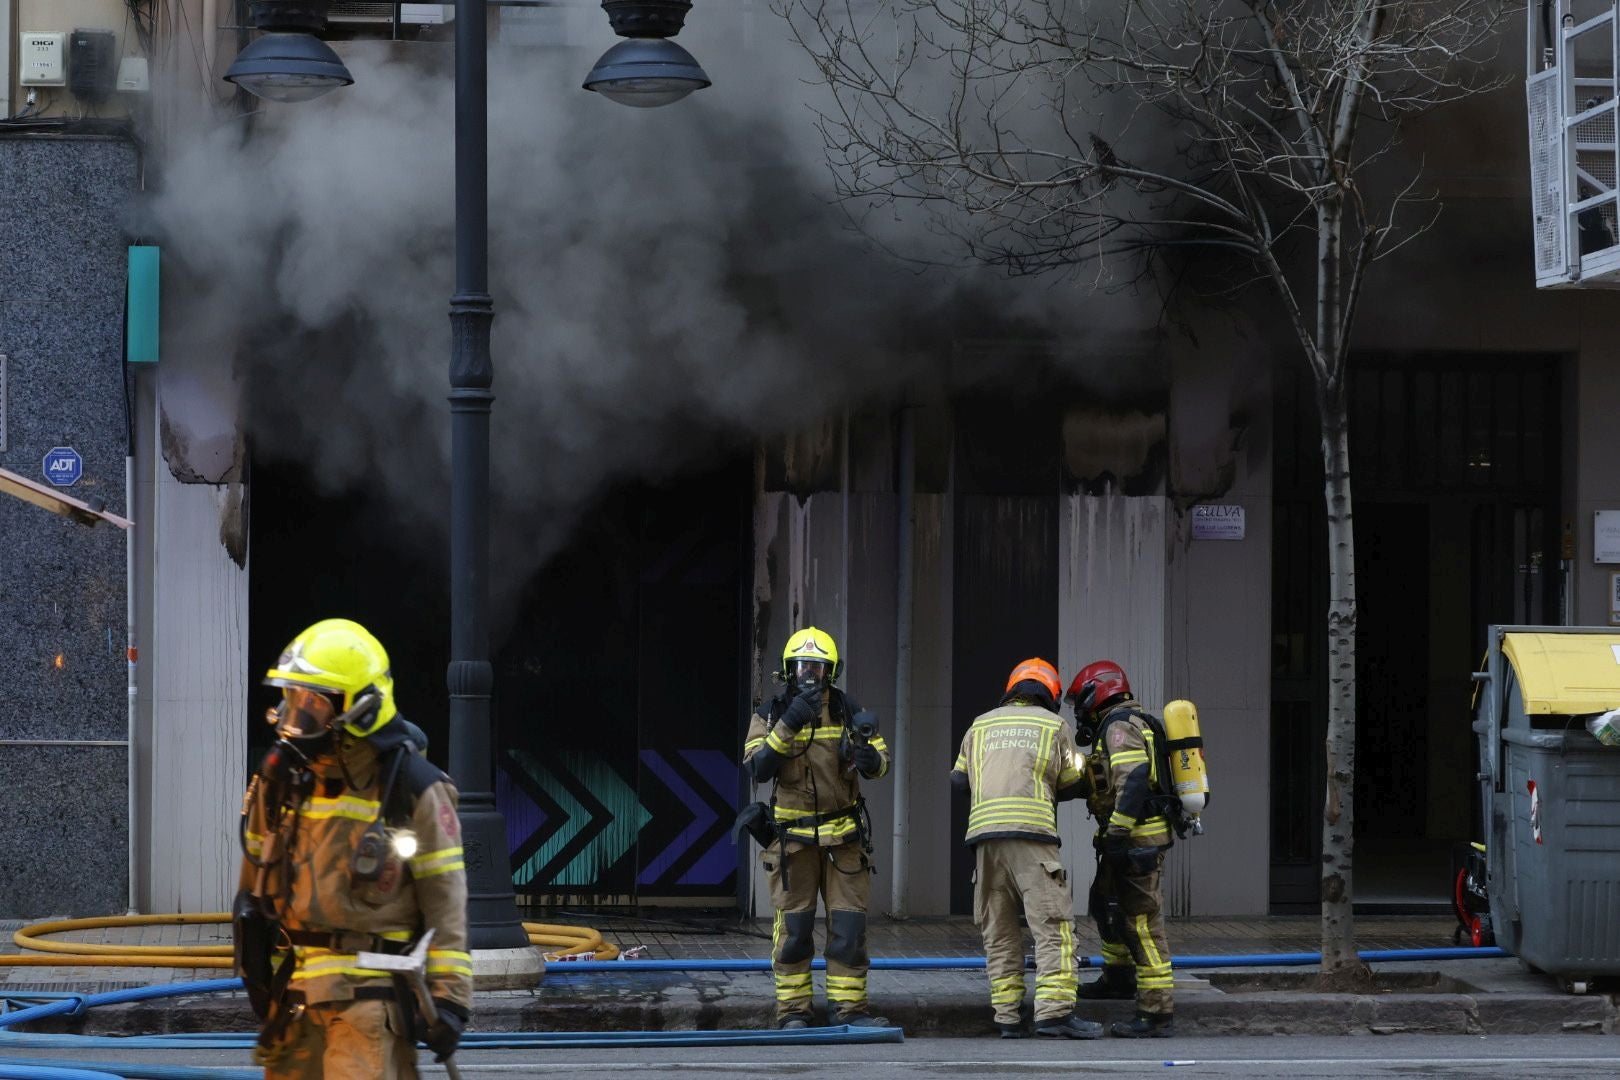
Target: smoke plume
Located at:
point(667, 282)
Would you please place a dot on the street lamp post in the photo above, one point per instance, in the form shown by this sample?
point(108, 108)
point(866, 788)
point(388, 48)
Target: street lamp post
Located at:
point(653, 72)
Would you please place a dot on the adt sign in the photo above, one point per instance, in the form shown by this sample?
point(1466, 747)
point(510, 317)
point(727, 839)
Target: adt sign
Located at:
point(63, 466)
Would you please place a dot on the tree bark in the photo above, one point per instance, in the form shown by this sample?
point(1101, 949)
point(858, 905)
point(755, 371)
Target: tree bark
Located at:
point(1338, 811)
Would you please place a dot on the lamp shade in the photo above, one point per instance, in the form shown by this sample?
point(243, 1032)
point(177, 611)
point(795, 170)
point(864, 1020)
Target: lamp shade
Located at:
point(288, 67)
point(646, 73)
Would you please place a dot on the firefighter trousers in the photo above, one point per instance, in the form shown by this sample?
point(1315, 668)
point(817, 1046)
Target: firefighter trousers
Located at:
point(1013, 874)
point(1128, 909)
point(346, 1039)
point(842, 879)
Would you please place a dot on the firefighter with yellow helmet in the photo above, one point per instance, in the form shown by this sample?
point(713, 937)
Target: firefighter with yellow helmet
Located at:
point(350, 844)
point(1017, 762)
point(813, 745)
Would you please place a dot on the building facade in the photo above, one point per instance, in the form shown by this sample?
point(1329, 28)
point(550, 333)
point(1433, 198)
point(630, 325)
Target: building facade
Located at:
point(1170, 521)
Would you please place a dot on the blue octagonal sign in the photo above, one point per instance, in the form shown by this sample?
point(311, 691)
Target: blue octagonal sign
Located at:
point(63, 466)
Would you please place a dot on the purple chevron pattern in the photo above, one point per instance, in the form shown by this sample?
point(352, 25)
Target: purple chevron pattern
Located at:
point(708, 833)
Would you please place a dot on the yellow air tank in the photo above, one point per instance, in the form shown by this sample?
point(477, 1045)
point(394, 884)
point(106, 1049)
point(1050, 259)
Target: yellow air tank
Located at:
point(1188, 774)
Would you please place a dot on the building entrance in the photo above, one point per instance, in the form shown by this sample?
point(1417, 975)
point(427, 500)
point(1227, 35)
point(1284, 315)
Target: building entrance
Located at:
point(1454, 476)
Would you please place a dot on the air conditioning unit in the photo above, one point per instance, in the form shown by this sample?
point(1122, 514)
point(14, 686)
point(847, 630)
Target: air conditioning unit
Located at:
point(341, 12)
point(1572, 100)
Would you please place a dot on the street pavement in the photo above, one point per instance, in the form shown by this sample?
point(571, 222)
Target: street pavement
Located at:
point(1544, 1057)
point(1468, 998)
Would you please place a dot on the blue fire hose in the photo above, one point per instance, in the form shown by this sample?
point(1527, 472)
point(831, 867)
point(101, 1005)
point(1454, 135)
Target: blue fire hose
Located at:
point(77, 1004)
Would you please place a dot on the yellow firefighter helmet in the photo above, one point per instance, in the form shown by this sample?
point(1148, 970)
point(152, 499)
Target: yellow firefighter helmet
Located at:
point(341, 658)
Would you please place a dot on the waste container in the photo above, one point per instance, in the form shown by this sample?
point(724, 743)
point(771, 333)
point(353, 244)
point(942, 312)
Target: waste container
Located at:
point(1550, 794)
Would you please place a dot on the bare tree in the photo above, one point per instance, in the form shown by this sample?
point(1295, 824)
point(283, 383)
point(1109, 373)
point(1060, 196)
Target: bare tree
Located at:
point(1043, 135)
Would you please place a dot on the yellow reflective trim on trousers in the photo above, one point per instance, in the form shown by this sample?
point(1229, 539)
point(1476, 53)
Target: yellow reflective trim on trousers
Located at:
point(1145, 936)
point(344, 806)
point(1066, 949)
point(793, 978)
point(846, 980)
point(845, 994)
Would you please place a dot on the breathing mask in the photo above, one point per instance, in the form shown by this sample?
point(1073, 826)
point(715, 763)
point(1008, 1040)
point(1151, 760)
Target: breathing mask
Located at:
point(808, 676)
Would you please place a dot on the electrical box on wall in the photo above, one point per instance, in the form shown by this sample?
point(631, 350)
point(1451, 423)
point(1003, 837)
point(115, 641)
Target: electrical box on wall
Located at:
point(40, 59)
point(92, 65)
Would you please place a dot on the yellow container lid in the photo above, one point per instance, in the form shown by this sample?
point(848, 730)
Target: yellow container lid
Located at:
point(1566, 674)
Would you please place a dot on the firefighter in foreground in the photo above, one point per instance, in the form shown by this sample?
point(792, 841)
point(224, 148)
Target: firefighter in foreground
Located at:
point(1132, 835)
point(350, 844)
point(813, 744)
point(1017, 762)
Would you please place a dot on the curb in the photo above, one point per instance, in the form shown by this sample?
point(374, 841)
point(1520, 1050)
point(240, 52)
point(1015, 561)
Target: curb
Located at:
point(958, 1015)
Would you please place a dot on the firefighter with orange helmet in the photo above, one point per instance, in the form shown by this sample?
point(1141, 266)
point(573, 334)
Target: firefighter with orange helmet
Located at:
point(1016, 763)
point(1132, 835)
point(813, 744)
point(350, 844)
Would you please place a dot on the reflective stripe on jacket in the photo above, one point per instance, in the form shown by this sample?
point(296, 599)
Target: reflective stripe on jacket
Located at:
point(814, 780)
point(1124, 774)
point(1016, 758)
point(410, 894)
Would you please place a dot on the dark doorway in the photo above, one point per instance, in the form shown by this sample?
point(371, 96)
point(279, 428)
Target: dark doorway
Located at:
point(1454, 474)
point(1006, 568)
point(620, 684)
point(622, 701)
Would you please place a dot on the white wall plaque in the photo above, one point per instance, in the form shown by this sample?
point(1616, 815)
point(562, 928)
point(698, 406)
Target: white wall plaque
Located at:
point(1214, 521)
point(1606, 536)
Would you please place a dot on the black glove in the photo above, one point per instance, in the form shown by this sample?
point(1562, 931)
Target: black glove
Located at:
point(445, 1035)
point(1142, 861)
point(802, 710)
point(868, 760)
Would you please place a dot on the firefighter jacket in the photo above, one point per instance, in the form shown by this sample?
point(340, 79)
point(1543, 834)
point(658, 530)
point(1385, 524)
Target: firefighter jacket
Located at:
point(1123, 774)
point(1018, 761)
point(817, 798)
point(328, 915)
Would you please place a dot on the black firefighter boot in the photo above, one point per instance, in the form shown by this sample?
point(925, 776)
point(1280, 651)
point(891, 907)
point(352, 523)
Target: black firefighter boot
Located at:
point(1117, 983)
point(1146, 1025)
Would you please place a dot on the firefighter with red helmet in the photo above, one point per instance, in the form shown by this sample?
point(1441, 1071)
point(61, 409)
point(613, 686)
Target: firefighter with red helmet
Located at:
point(1132, 834)
point(1017, 762)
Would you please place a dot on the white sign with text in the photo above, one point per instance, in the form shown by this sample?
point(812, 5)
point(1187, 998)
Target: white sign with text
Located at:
point(1214, 521)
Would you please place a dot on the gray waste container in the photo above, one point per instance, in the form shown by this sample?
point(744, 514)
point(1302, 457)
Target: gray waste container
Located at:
point(1551, 797)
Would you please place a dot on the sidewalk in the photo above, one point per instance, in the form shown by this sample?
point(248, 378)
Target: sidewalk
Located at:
point(1451, 997)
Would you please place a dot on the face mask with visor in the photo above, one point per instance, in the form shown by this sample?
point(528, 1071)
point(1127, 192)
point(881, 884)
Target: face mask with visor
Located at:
point(807, 675)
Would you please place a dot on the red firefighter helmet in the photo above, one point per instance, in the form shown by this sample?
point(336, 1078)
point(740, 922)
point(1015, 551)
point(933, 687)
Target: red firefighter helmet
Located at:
point(1097, 684)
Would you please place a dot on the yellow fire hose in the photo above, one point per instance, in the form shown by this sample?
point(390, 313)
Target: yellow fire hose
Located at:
point(556, 939)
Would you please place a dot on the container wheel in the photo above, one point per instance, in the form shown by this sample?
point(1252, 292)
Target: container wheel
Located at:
point(1575, 986)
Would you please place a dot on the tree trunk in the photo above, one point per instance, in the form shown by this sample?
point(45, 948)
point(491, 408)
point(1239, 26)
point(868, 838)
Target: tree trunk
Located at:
point(1338, 811)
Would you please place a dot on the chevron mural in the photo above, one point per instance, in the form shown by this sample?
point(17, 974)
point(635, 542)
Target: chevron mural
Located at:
point(577, 823)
